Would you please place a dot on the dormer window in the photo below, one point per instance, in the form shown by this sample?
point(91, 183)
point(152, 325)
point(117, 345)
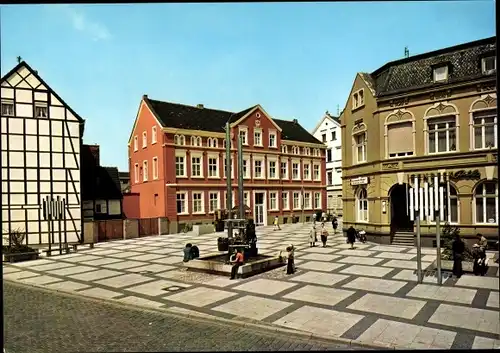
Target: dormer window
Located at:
point(440, 73)
point(489, 65)
point(358, 99)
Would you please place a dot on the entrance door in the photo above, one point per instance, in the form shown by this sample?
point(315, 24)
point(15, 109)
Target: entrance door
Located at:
point(400, 216)
point(259, 208)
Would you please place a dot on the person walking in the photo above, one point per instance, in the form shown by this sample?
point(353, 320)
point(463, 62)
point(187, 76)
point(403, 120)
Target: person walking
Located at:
point(276, 223)
point(237, 262)
point(335, 224)
point(458, 248)
point(290, 268)
point(351, 236)
point(312, 237)
point(314, 218)
point(324, 234)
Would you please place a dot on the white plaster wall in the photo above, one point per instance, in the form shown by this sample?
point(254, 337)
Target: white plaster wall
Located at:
point(114, 207)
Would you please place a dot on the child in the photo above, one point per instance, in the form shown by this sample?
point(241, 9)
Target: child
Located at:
point(312, 237)
point(276, 223)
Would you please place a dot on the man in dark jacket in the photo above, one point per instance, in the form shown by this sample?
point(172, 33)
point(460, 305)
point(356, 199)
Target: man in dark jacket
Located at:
point(351, 236)
point(335, 224)
point(458, 248)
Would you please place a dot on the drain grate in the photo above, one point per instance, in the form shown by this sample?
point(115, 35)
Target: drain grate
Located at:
point(172, 289)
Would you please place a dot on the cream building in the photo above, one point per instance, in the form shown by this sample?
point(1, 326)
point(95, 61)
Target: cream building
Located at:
point(427, 115)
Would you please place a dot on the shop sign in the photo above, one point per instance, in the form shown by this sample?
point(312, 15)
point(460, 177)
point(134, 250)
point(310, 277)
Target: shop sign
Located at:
point(359, 181)
point(466, 175)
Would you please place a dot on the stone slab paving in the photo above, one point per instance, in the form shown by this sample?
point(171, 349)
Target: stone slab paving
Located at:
point(368, 294)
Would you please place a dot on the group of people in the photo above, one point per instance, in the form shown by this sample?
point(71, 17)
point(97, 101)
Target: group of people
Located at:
point(479, 253)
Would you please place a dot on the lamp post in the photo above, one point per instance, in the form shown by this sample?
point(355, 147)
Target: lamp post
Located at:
point(229, 198)
point(241, 193)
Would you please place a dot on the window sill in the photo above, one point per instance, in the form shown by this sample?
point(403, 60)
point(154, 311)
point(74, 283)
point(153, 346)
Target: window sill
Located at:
point(274, 210)
point(155, 178)
point(199, 213)
point(486, 224)
point(197, 177)
point(274, 147)
point(358, 107)
point(181, 176)
point(183, 214)
point(260, 146)
point(441, 153)
point(213, 177)
point(358, 221)
point(154, 143)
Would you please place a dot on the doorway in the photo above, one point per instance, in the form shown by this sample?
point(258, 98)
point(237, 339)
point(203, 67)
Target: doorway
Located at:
point(259, 208)
point(400, 217)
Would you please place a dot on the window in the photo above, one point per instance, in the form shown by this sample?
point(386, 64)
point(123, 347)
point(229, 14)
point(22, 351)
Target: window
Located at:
point(213, 201)
point(155, 168)
point(284, 149)
point(101, 208)
point(295, 171)
point(307, 151)
point(296, 200)
point(360, 147)
point(195, 141)
point(272, 140)
point(362, 205)
point(272, 170)
point(329, 176)
point(180, 140)
point(246, 170)
point(213, 170)
point(440, 73)
point(243, 132)
point(489, 64)
point(317, 200)
point(180, 168)
point(154, 136)
point(145, 171)
point(400, 139)
point(212, 142)
point(246, 198)
point(284, 200)
point(334, 135)
point(225, 167)
point(316, 152)
point(316, 174)
point(485, 128)
point(257, 169)
point(307, 200)
point(8, 108)
point(272, 200)
point(144, 139)
point(486, 199)
point(136, 173)
point(196, 166)
point(197, 202)
point(307, 171)
point(328, 155)
point(40, 111)
point(442, 134)
point(181, 203)
point(284, 170)
point(358, 99)
point(136, 144)
point(295, 150)
point(257, 137)
point(323, 138)
point(453, 206)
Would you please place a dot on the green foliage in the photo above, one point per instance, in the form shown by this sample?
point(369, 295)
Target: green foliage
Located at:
point(448, 235)
point(187, 227)
point(17, 238)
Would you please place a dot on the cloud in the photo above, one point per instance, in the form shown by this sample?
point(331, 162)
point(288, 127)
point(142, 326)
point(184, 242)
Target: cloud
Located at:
point(82, 24)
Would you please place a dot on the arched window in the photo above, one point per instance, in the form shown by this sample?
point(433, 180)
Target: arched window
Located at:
point(284, 149)
point(209, 142)
point(307, 151)
point(453, 206)
point(362, 205)
point(486, 202)
point(176, 139)
point(483, 122)
point(198, 141)
point(215, 142)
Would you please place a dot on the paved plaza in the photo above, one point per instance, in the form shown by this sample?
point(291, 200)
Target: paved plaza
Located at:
point(367, 295)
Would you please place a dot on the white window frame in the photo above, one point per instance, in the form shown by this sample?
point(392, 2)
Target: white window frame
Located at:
point(298, 198)
point(286, 176)
point(246, 167)
point(276, 168)
point(136, 143)
point(41, 108)
point(136, 173)
point(436, 73)
point(317, 202)
point(358, 99)
point(233, 199)
point(212, 142)
point(361, 214)
point(318, 176)
point(257, 142)
point(243, 129)
point(296, 161)
point(154, 135)
point(181, 154)
point(307, 200)
point(483, 65)
point(144, 139)
point(285, 200)
point(211, 200)
point(284, 149)
point(217, 164)
point(155, 168)
point(307, 151)
point(200, 156)
point(180, 140)
point(485, 196)
point(483, 125)
point(272, 133)
point(145, 170)
point(224, 167)
point(7, 103)
point(263, 167)
point(201, 200)
point(329, 177)
point(246, 198)
point(439, 120)
point(275, 198)
point(307, 164)
point(361, 146)
point(196, 141)
point(186, 202)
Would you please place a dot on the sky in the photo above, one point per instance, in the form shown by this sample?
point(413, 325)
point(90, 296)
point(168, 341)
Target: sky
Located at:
point(297, 60)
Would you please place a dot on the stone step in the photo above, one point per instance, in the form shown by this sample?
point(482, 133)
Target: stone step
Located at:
point(404, 239)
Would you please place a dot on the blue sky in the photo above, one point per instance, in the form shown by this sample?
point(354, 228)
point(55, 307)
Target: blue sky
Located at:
point(295, 59)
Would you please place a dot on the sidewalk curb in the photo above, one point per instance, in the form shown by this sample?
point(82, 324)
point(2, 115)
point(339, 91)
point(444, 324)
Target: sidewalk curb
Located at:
point(206, 318)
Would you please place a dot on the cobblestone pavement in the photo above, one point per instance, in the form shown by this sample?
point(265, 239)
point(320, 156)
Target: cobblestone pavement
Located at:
point(369, 294)
point(37, 320)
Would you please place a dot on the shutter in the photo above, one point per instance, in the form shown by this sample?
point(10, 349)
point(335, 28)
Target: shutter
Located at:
point(400, 137)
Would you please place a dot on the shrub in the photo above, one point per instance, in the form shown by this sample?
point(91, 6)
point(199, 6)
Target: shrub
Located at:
point(17, 238)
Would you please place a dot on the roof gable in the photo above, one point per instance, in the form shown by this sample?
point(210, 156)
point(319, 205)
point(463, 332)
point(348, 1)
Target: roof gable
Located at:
point(23, 76)
point(247, 114)
point(327, 116)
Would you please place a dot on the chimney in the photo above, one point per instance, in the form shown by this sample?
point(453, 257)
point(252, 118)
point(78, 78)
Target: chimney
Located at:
point(295, 121)
point(144, 96)
point(201, 106)
point(94, 149)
